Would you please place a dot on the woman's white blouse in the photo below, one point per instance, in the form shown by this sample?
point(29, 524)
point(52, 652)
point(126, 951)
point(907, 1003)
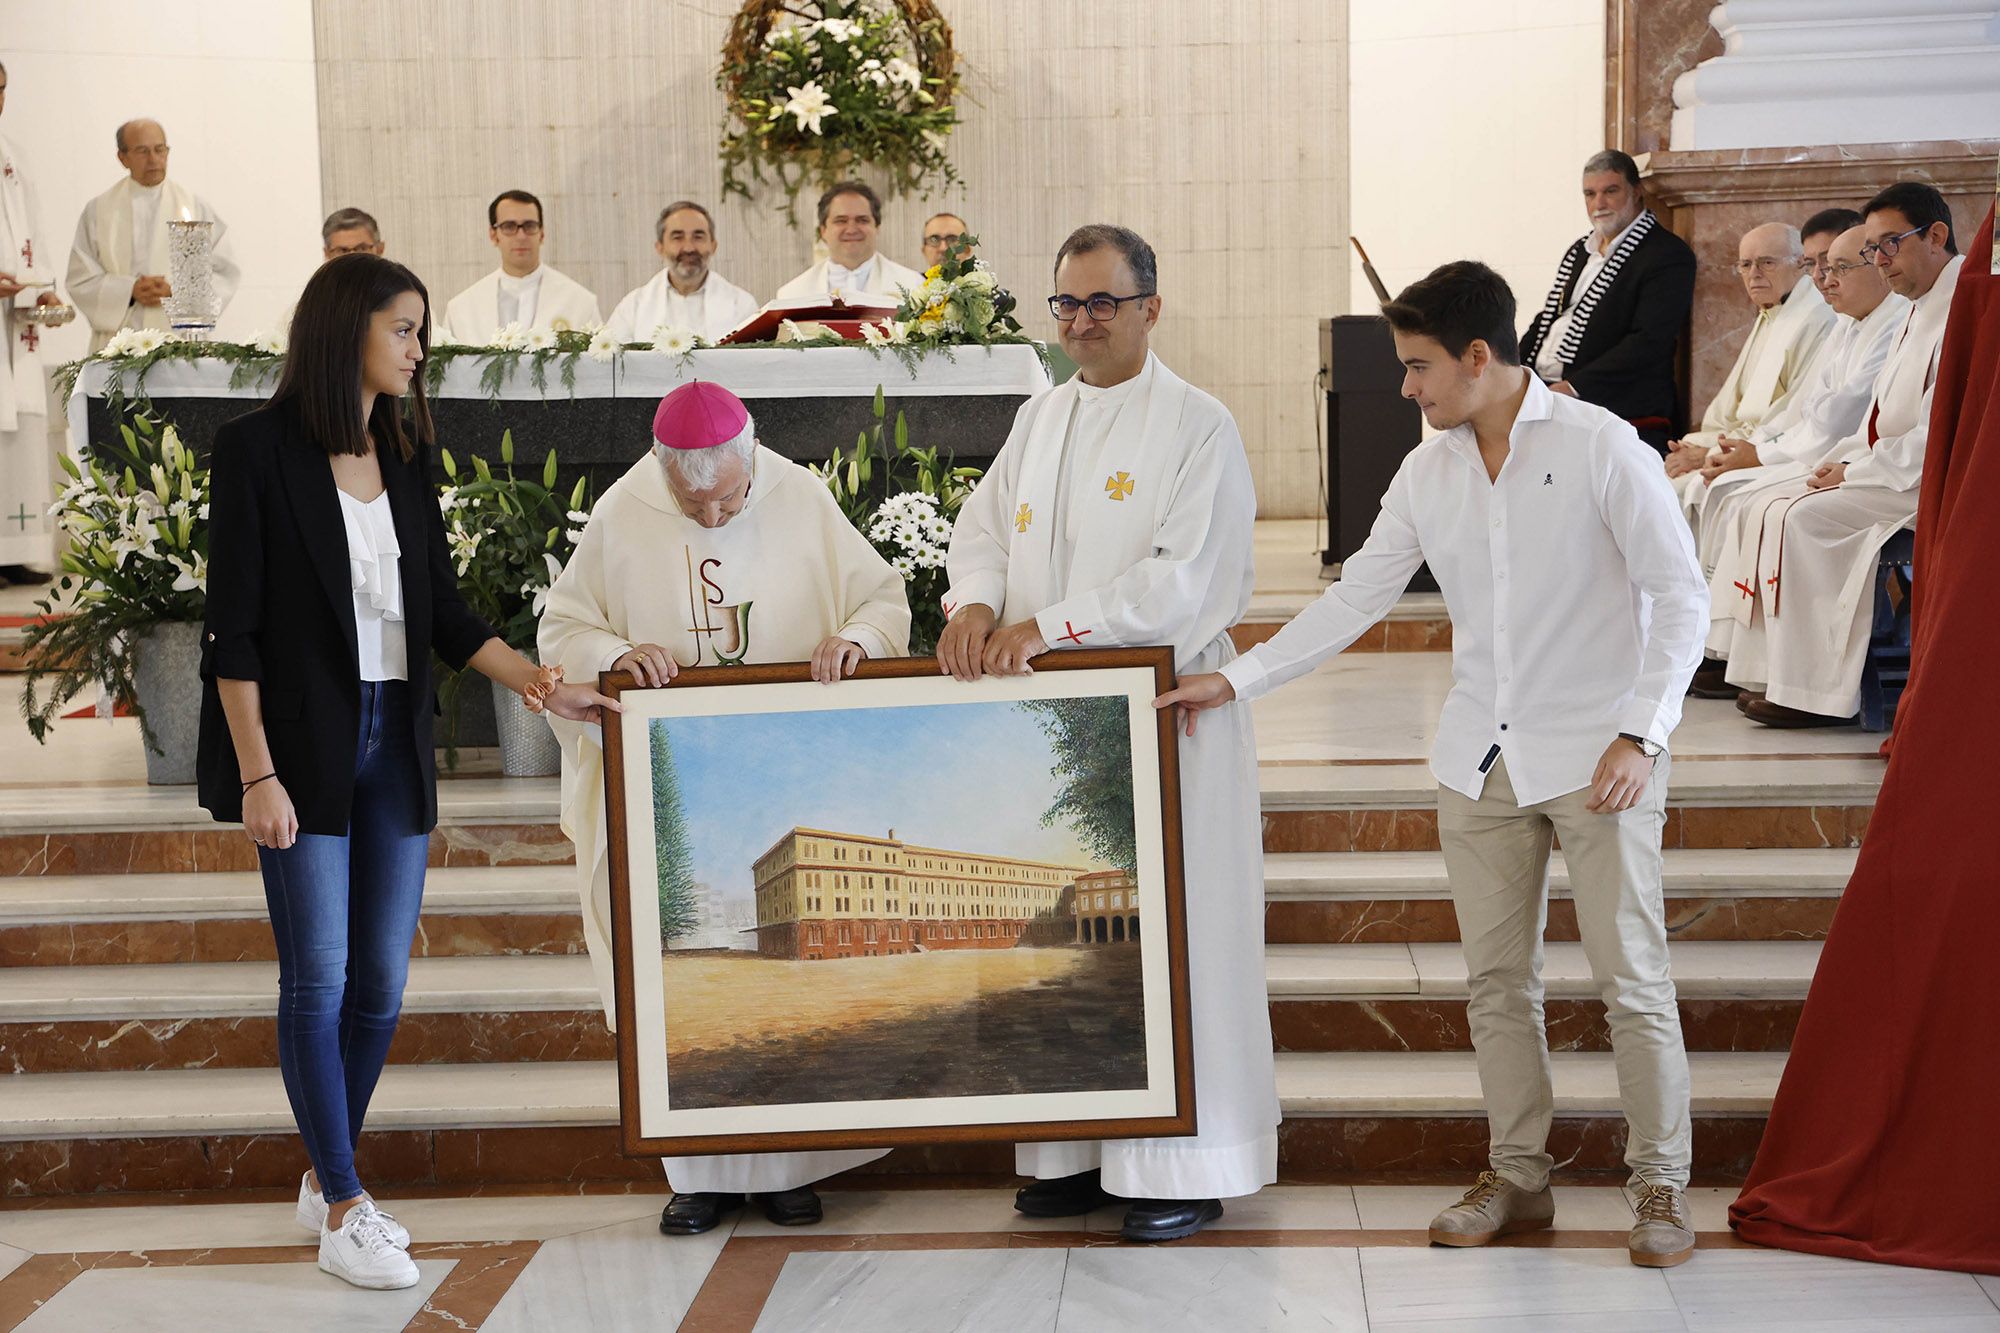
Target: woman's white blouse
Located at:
point(373, 565)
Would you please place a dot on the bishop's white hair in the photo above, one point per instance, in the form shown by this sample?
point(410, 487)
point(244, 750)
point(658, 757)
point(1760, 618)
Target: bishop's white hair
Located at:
point(700, 469)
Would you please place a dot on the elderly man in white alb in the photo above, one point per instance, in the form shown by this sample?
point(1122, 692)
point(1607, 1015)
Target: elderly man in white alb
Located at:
point(1800, 657)
point(1792, 322)
point(1577, 611)
point(1774, 462)
point(850, 226)
point(674, 554)
point(523, 292)
point(27, 547)
point(686, 293)
point(118, 263)
point(1119, 514)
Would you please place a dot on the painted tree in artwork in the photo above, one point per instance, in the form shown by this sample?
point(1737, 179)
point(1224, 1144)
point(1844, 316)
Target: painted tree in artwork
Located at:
point(679, 913)
point(1092, 743)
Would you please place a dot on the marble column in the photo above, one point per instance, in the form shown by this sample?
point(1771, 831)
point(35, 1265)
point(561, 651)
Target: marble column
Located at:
point(1842, 71)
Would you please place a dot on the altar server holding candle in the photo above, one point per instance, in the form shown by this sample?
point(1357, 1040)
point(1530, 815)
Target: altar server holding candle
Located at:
point(707, 523)
point(118, 264)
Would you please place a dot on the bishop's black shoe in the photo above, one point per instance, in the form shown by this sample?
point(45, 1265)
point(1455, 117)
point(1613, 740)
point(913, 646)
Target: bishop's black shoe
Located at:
point(791, 1208)
point(692, 1214)
point(1065, 1196)
point(1150, 1220)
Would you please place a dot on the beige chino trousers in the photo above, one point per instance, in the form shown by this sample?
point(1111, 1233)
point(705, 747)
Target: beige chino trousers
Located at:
point(1497, 856)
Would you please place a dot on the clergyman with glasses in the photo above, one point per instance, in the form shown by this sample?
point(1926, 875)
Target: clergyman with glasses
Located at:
point(523, 292)
point(1791, 325)
point(118, 265)
point(1119, 514)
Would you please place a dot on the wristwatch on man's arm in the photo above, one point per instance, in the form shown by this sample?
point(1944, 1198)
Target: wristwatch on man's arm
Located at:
point(1648, 748)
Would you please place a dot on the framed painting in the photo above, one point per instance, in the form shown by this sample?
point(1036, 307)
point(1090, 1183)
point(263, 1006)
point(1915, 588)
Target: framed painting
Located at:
point(899, 908)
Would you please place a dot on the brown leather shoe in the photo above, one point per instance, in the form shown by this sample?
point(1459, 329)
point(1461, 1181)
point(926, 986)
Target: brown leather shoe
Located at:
point(1746, 698)
point(1777, 715)
point(1708, 682)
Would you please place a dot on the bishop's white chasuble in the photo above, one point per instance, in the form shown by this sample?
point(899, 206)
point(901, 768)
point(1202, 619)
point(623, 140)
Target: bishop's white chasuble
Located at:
point(1118, 518)
point(767, 586)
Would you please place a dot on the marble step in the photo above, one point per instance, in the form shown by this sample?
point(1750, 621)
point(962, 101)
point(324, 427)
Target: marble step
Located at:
point(1310, 897)
point(1734, 996)
point(160, 1103)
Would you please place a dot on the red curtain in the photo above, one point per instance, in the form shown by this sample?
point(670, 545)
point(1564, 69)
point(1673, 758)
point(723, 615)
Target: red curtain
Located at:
point(1884, 1142)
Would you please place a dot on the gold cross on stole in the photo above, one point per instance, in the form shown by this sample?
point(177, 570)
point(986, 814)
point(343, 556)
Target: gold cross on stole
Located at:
point(1118, 485)
point(1022, 518)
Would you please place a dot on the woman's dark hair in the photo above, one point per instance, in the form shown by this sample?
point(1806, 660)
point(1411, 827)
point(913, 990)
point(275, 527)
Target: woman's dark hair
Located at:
point(1455, 304)
point(322, 377)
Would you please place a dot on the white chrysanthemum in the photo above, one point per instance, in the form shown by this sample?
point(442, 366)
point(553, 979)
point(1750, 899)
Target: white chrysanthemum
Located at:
point(270, 344)
point(603, 346)
point(899, 332)
point(674, 341)
point(510, 338)
point(147, 340)
point(871, 333)
point(841, 30)
point(902, 71)
point(541, 340)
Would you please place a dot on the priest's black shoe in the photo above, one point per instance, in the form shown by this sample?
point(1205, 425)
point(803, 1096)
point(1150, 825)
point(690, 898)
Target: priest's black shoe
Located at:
point(1168, 1219)
point(1065, 1196)
point(791, 1208)
point(1708, 682)
point(692, 1214)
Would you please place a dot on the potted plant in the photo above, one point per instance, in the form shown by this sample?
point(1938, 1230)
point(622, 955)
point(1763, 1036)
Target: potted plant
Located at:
point(903, 499)
point(126, 613)
point(510, 537)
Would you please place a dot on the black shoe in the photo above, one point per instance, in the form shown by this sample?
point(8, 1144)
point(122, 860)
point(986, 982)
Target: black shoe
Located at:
point(23, 574)
point(1065, 1196)
point(1708, 682)
point(692, 1214)
point(1168, 1219)
point(791, 1208)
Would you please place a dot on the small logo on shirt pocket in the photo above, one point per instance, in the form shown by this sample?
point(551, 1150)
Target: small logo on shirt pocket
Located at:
point(1548, 479)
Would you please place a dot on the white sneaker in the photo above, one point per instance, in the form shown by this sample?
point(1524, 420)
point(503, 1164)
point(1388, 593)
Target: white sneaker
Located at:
point(363, 1253)
point(311, 1213)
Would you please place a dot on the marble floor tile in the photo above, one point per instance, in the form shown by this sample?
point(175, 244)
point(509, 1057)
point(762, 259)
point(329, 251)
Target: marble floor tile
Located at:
point(1708, 1206)
point(227, 1225)
point(1513, 1289)
point(904, 1212)
point(11, 1259)
point(283, 1298)
point(1291, 1208)
point(1197, 1290)
point(1991, 1286)
point(965, 1291)
point(608, 1280)
point(1766, 1289)
point(1411, 1207)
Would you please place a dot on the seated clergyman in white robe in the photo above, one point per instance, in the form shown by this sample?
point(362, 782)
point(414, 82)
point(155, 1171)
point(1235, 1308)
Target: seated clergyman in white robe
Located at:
point(27, 547)
point(1773, 364)
point(669, 566)
point(1790, 446)
point(121, 240)
point(1119, 514)
point(544, 299)
point(686, 293)
point(1802, 633)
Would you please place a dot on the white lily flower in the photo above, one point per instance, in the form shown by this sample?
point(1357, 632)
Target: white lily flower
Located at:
point(902, 71)
point(809, 105)
point(841, 30)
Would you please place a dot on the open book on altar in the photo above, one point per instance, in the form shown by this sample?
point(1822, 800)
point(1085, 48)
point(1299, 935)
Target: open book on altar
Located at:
point(835, 316)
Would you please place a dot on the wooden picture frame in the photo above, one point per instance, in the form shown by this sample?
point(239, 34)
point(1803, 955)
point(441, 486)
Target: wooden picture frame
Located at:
point(713, 713)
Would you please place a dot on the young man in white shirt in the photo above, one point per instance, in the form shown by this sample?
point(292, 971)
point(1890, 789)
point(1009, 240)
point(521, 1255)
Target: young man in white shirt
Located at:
point(1550, 527)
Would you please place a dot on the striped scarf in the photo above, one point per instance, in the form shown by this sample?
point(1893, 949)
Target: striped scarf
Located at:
point(1572, 263)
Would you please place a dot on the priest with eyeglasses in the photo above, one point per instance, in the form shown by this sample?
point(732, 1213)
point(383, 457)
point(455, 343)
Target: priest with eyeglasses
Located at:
point(1119, 514)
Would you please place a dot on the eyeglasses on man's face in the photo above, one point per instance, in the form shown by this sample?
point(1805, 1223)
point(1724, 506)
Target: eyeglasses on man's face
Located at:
point(518, 228)
point(1764, 264)
point(1876, 251)
point(1102, 307)
point(1841, 268)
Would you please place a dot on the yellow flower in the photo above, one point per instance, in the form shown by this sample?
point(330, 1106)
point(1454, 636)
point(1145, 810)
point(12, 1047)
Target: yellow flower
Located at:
point(934, 272)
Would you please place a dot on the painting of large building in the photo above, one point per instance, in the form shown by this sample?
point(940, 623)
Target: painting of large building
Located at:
point(822, 894)
point(1106, 907)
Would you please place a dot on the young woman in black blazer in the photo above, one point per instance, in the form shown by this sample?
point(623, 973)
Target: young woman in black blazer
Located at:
point(329, 587)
